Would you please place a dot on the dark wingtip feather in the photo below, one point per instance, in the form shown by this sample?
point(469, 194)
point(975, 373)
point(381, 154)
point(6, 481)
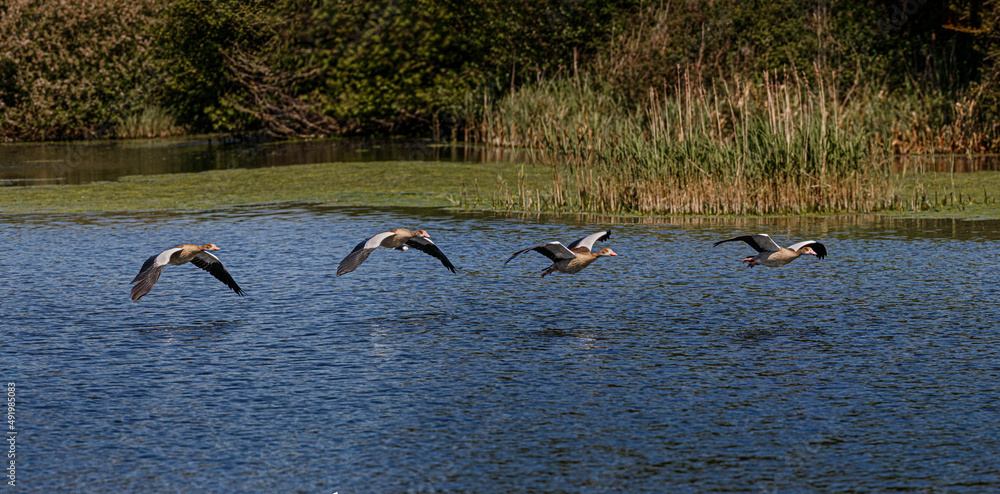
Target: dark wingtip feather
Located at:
point(144, 282)
point(145, 267)
point(430, 248)
point(353, 260)
point(218, 271)
point(820, 250)
point(727, 240)
point(749, 239)
point(446, 263)
point(512, 256)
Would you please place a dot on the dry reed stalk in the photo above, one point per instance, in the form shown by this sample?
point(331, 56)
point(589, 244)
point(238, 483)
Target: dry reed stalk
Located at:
point(765, 148)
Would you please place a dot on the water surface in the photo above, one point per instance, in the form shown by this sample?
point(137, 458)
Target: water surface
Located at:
point(670, 368)
point(92, 161)
point(86, 161)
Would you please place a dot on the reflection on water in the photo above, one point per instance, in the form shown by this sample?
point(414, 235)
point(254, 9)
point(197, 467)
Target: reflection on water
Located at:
point(82, 162)
point(92, 161)
point(669, 368)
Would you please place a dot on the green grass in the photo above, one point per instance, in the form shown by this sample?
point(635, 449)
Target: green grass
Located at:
point(952, 195)
point(430, 184)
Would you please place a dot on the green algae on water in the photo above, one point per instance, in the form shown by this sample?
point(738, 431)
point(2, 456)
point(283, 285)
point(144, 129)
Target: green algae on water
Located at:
point(393, 183)
point(474, 186)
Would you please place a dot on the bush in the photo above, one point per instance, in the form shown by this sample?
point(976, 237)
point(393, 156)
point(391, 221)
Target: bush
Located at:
point(73, 68)
point(358, 65)
point(193, 40)
point(106, 68)
point(854, 41)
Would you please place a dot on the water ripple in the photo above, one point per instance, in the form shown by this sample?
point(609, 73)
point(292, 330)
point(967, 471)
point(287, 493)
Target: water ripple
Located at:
point(671, 367)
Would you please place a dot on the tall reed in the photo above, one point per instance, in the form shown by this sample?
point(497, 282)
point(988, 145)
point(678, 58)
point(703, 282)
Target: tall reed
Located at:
point(783, 145)
point(148, 122)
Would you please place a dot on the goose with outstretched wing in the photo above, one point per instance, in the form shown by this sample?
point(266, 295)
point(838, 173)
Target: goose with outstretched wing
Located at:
point(573, 258)
point(772, 255)
point(198, 255)
point(399, 239)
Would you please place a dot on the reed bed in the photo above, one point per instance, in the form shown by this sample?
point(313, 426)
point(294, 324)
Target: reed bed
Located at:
point(148, 122)
point(781, 146)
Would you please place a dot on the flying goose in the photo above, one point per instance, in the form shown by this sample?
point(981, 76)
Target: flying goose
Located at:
point(570, 259)
point(195, 254)
point(399, 239)
point(771, 255)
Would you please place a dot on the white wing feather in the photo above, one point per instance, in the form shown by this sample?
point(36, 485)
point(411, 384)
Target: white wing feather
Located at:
point(801, 245)
point(164, 257)
point(376, 240)
point(589, 240)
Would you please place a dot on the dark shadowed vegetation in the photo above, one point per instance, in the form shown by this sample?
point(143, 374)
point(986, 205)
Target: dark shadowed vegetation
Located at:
point(708, 107)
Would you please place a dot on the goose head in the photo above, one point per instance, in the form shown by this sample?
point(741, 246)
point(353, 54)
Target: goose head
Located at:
point(605, 253)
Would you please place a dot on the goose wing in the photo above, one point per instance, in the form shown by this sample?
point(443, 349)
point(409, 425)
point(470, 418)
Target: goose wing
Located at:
point(761, 242)
point(361, 252)
point(555, 251)
point(816, 246)
point(353, 260)
point(425, 245)
point(213, 265)
point(589, 240)
point(150, 272)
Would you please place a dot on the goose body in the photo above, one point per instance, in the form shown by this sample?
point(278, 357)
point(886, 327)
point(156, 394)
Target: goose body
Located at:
point(573, 258)
point(399, 239)
point(772, 255)
point(198, 255)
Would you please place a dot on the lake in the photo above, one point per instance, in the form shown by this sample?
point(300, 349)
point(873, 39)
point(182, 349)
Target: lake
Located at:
point(80, 162)
point(671, 368)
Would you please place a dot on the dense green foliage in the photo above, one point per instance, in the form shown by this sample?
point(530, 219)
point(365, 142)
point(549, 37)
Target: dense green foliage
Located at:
point(113, 68)
point(370, 65)
point(194, 39)
point(69, 68)
point(295, 67)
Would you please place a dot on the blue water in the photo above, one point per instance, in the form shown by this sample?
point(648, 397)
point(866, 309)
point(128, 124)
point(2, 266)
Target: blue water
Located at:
point(670, 368)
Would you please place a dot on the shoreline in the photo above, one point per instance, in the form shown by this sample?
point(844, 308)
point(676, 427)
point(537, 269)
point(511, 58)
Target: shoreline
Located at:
point(433, 184)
